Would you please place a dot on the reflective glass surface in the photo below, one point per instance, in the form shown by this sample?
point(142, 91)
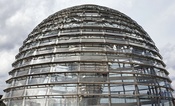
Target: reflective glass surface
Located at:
point(88, 55)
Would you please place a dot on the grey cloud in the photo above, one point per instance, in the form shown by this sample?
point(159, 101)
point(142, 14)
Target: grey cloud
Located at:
point(8, 8)
point(169, 58)
point(17, 19)
point(168, 55)
point(11, 34)
point(173, 78)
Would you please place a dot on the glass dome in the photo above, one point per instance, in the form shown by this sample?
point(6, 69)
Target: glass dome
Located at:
point(88, 55)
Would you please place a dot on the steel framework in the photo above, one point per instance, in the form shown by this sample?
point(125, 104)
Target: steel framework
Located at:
point(88, 55)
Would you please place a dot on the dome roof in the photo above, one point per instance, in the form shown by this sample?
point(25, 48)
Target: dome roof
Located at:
point(103, 17)
point(88, 55)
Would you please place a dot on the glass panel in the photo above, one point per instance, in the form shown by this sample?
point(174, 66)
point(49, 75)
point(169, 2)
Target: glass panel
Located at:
point(42, 59)
point(130, 100)
point(36, 70)
point(92, 77)
point(29, 53)
point(17, 93)
point(93, 89)
point(143, 89)
point(65, 67)
point(22, 72)
point(36, 91)
point(26, 62)
point(104, 100)
point(62, 101)
point(59, 68)
point(7, 94)
point(114, 77)
point(38, 79)
point(10, 83)
point(93, 67)
point(47, 41)
point(64, 89)
point(64, 77)
point(93, 101)
point(114, 65)
point(20, 82)
point(45, 50)
point(67, 58)
point(93, 58)
point(35, 102)
point(118, 100)
point(105, 89)
point(129, 89)
point(16, 103)
point(116, 89)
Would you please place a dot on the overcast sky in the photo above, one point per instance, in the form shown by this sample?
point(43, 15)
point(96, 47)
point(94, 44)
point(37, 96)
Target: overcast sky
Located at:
point(19, 17)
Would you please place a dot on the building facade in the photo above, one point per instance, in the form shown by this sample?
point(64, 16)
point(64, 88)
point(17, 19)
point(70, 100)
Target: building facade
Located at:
point(88, 55)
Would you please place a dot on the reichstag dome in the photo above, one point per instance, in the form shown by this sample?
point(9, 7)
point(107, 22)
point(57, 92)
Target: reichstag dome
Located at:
point(88, 55)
